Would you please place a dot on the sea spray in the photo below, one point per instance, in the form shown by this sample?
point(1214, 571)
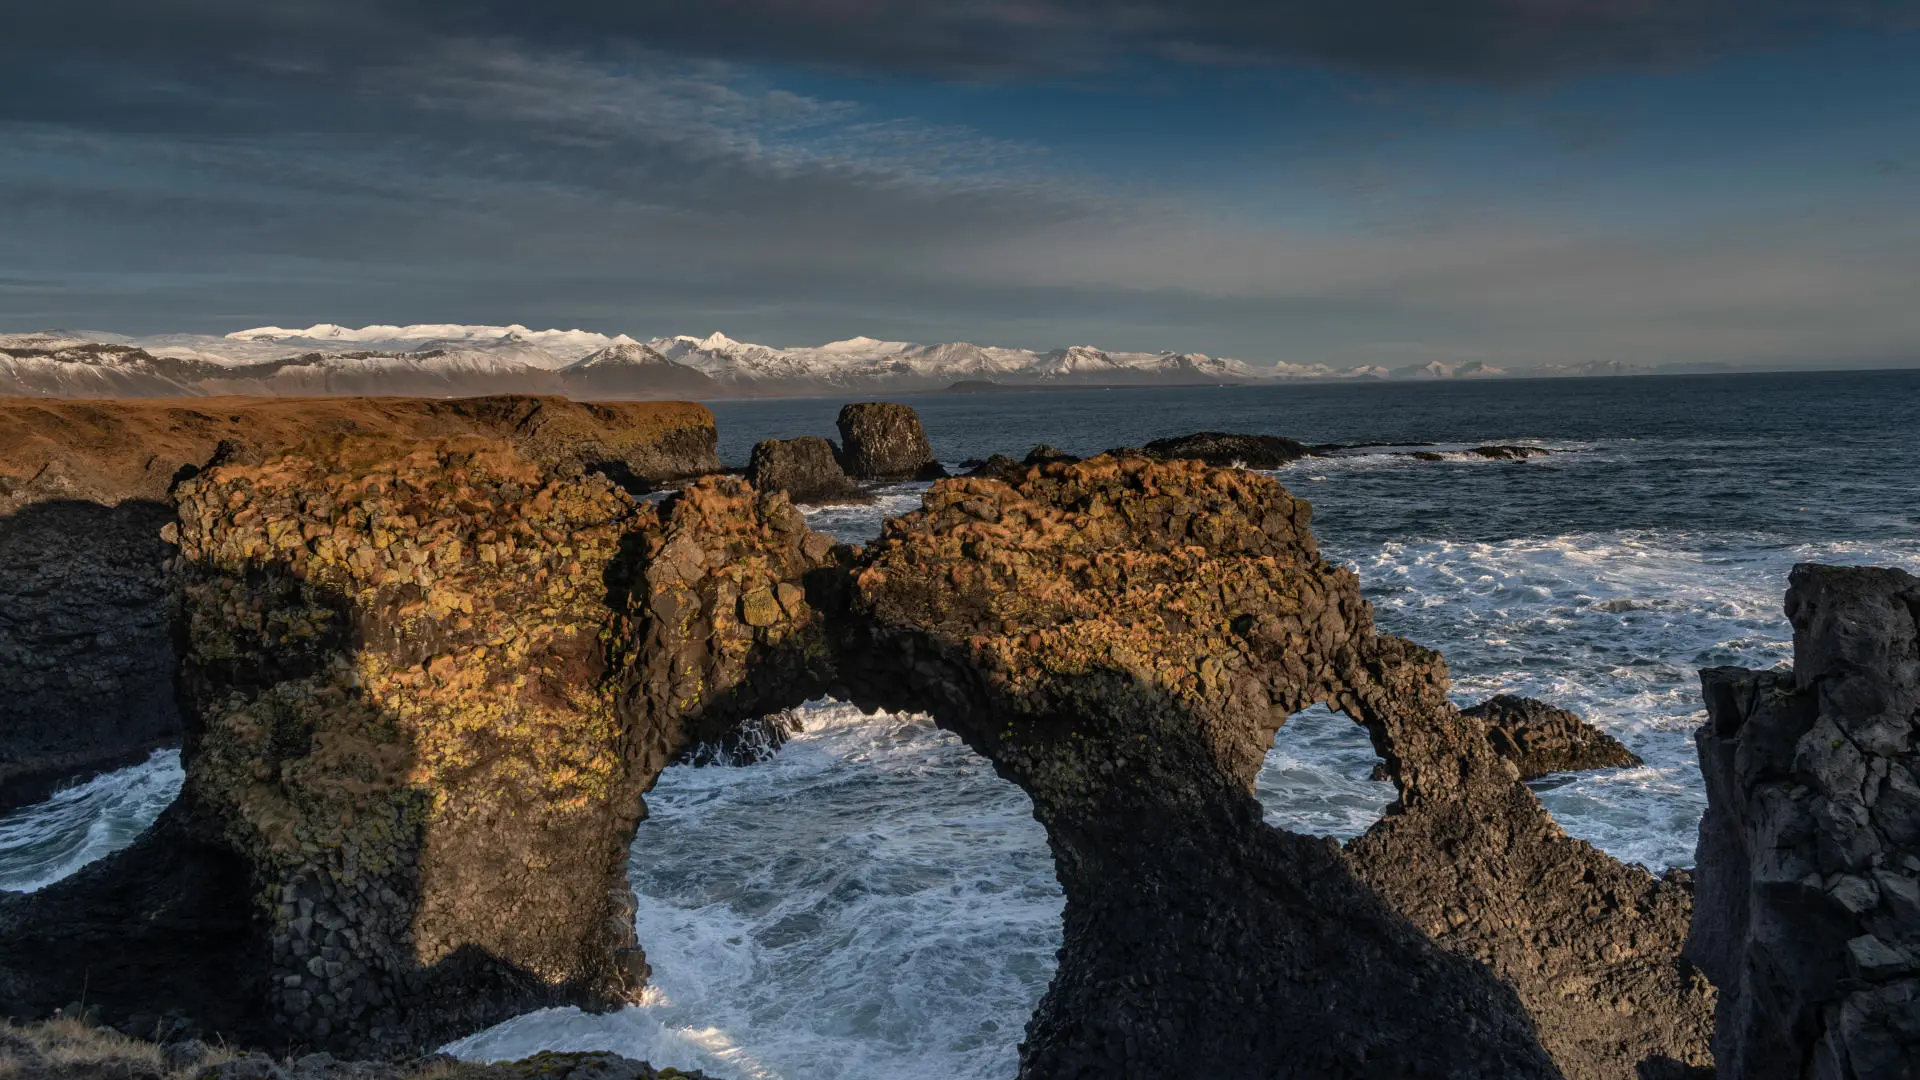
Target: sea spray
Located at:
point(42, 843)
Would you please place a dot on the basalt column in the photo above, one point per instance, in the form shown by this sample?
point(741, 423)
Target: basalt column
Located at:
point(394, 675)
point(1809, 859)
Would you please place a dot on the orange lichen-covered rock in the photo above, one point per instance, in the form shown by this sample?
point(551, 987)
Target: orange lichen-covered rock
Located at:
point(395, 660)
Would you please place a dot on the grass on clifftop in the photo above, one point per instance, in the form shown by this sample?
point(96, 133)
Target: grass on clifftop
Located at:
point(67, 1049)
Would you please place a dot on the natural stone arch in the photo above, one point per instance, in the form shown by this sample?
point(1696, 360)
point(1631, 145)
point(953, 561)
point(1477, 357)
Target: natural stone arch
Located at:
point(475, 669)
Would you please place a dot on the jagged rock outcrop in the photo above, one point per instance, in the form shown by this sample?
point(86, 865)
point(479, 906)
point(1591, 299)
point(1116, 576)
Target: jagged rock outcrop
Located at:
point(1808, 916)
point(1223, 449)
point(806, 468)
point(401, 734)
point(433, 801)
point(1122, 639)
point(1540, 739)
point(85, 489)
point(1157, 624)
point(883, 440)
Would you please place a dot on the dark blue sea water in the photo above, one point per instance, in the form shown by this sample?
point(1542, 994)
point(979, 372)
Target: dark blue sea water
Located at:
point(875, 903)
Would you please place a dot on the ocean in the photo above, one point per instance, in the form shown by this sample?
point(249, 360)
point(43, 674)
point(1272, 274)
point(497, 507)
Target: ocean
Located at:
point(874, 902)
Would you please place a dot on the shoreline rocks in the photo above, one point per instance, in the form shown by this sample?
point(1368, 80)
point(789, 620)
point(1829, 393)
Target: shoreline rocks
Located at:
point(1808, 916)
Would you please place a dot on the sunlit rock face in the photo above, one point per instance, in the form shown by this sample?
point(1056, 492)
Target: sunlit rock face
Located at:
point(428, 688)
point(1809, 859)
point(395, 666)
point(1123, 638)
point(86, 487)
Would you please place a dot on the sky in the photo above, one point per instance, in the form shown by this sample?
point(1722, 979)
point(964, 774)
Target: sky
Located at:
point(1367, 181)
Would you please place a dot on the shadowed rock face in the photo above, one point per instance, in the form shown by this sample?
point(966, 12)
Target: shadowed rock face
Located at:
point(881, 440)
point(806, 469)
point(1809, 910)
point(84, 643)
point(453, 789)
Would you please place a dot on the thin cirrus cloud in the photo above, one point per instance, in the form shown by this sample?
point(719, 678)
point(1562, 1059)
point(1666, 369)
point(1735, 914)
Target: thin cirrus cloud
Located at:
point(658, 167)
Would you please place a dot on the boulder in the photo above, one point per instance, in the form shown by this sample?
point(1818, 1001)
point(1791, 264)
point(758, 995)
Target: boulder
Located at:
point(806, 468)
point(1223, 449)
point(1808, 917)
point(1540, 739)
point(882, 440)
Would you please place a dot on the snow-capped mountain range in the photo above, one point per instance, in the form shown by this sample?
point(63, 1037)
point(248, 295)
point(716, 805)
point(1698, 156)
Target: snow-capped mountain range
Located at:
point(435, 359)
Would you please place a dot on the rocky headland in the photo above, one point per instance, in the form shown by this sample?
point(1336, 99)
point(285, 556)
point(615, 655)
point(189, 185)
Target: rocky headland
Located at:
point(85, 489)
point(427, 684)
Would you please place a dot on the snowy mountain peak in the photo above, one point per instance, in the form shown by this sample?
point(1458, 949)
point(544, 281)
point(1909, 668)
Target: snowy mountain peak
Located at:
point(622, 353)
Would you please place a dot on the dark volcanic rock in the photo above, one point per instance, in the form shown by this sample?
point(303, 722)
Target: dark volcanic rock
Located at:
point(399, 740)
point(1427, 455)
point(1223, 449)
point(428, 693)
point(84, 643)
point(881, 440)
point(1043, 454)
point(1114, 636)
point(1808, 917)
point(1540, 739)
point(805, 468)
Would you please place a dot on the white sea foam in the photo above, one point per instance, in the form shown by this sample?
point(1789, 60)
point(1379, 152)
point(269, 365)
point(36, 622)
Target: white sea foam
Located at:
point(871, 902)
point(42, 843)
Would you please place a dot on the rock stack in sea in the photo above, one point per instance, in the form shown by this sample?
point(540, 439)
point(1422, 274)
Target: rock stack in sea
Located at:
point(805, 468)
point(1540, 739)
point(1808, 918)
point(882, 440)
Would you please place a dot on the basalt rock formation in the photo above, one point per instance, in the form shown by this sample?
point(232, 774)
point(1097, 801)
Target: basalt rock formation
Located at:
point(1222, 448)
point(1540, 739)
point(85, 489)
point(1808, 918)
point(429, 689)
point(806, 468)
point(882, 440)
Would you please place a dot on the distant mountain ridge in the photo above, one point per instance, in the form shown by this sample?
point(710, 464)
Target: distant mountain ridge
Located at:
point(449, 359)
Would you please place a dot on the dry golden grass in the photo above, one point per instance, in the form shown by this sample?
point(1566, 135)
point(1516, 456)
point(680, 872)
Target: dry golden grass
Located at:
point(66, 1049)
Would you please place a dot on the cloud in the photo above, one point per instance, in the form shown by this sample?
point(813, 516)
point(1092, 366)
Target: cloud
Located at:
point(1482, 40)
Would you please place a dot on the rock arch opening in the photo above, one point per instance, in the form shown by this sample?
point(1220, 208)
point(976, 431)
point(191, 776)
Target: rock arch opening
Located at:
point(871, 901)
point(1322, 777)
point(482, 667)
